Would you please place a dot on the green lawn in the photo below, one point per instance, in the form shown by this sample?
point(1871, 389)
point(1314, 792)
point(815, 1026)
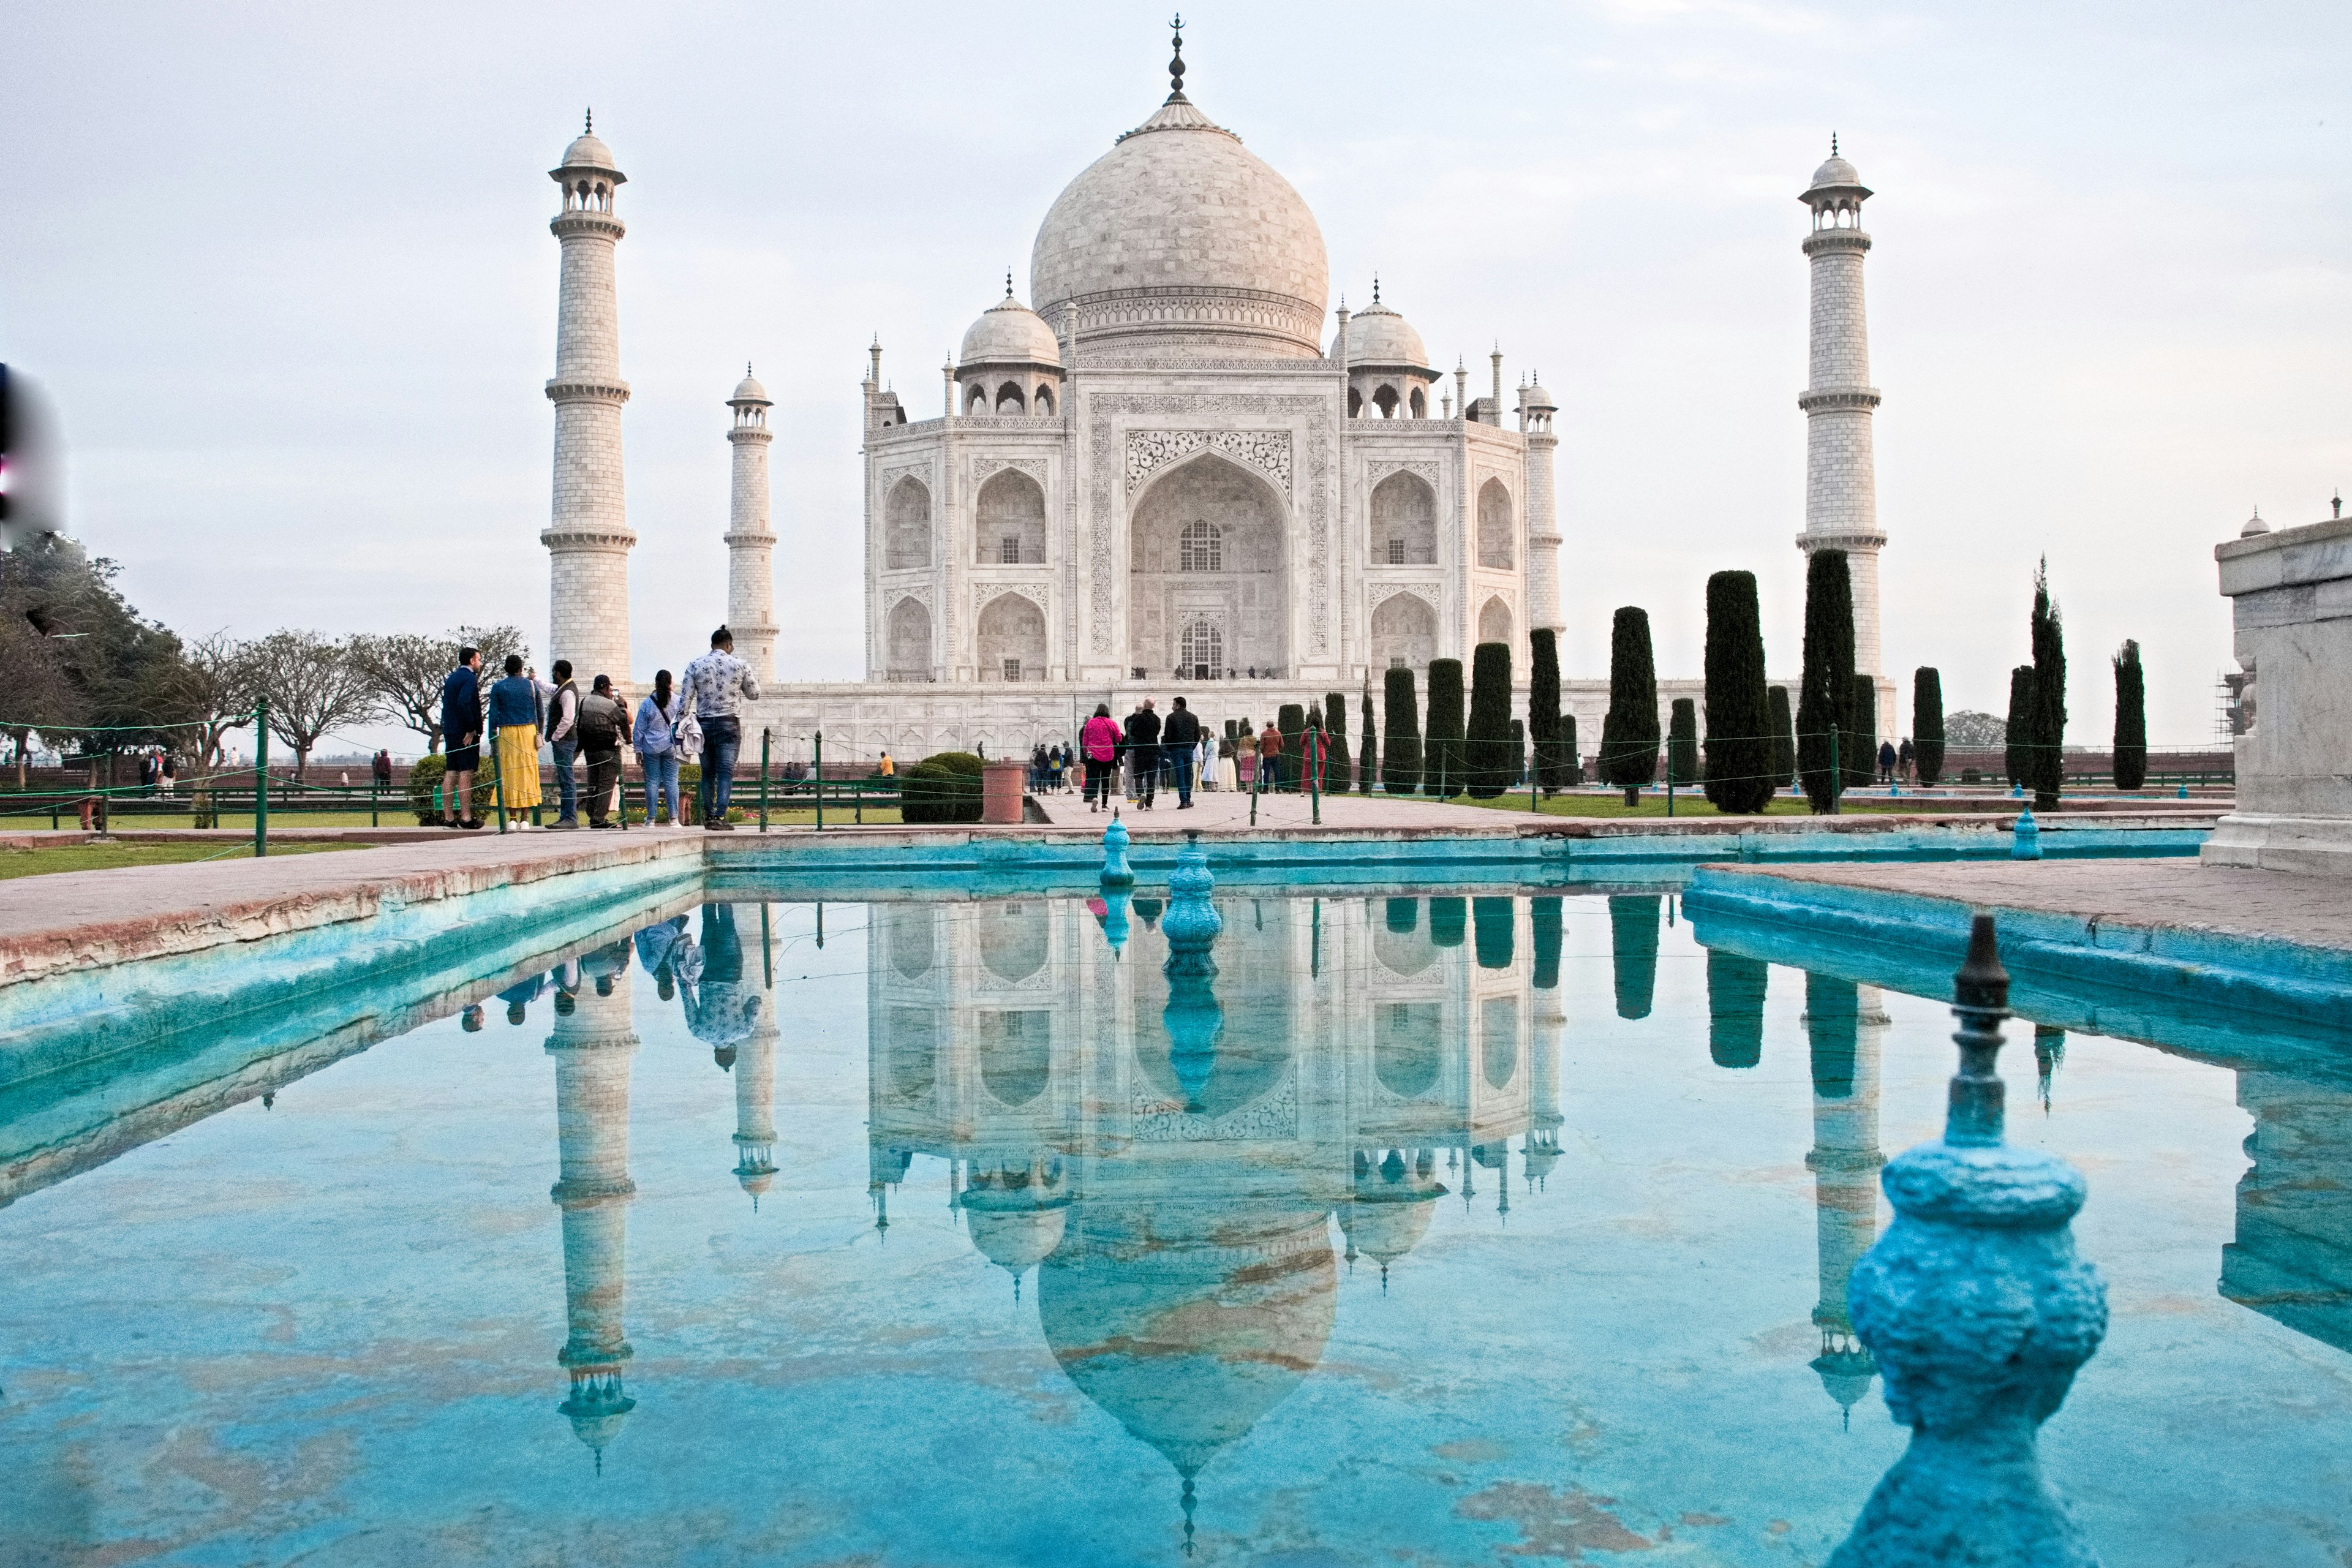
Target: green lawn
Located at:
point(112, 856)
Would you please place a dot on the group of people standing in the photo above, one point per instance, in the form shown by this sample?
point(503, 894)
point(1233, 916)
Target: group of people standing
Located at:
point(1148, 751)
point(702, 717)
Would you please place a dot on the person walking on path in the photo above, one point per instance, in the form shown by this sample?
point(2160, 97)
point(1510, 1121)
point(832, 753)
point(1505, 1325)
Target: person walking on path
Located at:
point(1180, 738)
point(383, 769)
point(716, 685)
point(1144, 752)
point(461, 729)
point(886, 767)
point(1886, 761)
point(654, 739)
point(602, 723)
point(1905, 759)
point(1099, 745)
point(563, 738)
point(513, 728)
point(1269, 758)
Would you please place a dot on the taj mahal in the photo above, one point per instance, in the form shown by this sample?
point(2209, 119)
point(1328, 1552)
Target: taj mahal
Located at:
point(1160, 474)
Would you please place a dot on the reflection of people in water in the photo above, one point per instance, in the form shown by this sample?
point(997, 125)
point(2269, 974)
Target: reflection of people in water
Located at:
point(720, 1008)
point(470, 1020)
point(657, 951)
point(520, 996)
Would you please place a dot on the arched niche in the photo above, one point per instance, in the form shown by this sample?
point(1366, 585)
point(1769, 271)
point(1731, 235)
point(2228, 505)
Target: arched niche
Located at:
point(910, 1051)
point(1016, 1054)
point(908, 640)
point(911, 935)
point(1010, 530)
point(1408, 1046)
point(1494, 531)
point(1012, 940)
point(1009, 399)
point(1494, 621)
point(1245, 593)
point(1403, 522)
point(1012, 638)
point(1404, 633)
point(906, 526)
point(1499, 1042)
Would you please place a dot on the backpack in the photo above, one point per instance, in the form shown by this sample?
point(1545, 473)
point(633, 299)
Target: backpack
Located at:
point(599, 723)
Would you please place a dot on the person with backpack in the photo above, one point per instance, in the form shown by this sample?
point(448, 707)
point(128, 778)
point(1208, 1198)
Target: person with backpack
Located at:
point(602, 723)
point(655, 740)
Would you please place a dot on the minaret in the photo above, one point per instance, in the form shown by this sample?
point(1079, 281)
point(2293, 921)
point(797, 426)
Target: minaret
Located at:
point(588, 539)
point(1844, 1022)
point(592, 1046)
point(751, 579)
point(1841, 478)
point(1536, 411)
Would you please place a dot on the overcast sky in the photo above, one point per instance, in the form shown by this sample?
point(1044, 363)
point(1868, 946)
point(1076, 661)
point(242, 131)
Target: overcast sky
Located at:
point(287, 276)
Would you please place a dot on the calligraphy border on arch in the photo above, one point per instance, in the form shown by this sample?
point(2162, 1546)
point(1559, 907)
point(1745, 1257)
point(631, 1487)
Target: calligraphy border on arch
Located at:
point(1267, 451)
point(1378, 468)
point(983, 467)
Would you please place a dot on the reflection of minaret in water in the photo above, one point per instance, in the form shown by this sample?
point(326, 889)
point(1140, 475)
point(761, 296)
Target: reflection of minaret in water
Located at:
point(592, 1047)
point(2049, 1052)
point(1845, 1023)
point(755, 1100)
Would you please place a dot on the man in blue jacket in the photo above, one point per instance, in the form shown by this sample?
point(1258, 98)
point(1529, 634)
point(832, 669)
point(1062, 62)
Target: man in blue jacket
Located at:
point(461, 732)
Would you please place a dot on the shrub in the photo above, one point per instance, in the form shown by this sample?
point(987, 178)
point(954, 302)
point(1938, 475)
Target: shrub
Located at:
point(1441, 771)
point(1629, 735)
point(1401, 763)
point(1825, 692)
point(944, 787)
point(423, 783)
point(1784, 741)
point(2131, 719)
point(1928, 724)
point(1571, 763)
point(1487, 770)
point(1738, 709)
point(1335, 735)
point(2018, 743)
point(1368, 761)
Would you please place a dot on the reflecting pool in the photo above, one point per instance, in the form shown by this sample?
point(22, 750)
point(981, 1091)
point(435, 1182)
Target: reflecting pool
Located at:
point(1412, 1229)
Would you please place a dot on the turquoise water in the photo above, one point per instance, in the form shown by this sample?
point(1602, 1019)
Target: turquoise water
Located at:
point(1427, 1230)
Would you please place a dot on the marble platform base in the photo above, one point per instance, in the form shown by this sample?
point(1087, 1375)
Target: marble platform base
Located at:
point(2314, 845)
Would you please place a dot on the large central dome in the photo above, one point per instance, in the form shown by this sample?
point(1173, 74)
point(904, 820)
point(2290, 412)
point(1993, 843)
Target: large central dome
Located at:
point(1180, 241)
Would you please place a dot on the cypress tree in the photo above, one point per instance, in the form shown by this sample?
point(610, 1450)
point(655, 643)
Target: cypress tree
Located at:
point(1860, 761)
point(1291, 721)
point(1633, 951)
point(1682, 744)
point(1368, 762)
point(1825, 695)
point(2131, 719)
point(1486, 763)
point(1784, 741)
point(1571, 761)
point(1441, 769)
point(1738, 710)
point(1335, 726)
point(1928, 724)
point(2047, 762)
point(1833, 1033)
point(2022, 715)
point(1401, 763)
point(1629, 735)
point(1448, 919)
point(1544, 926)
point(1543, 708)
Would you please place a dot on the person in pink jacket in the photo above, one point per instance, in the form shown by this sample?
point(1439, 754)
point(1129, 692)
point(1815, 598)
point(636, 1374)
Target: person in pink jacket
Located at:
point(1099, 745)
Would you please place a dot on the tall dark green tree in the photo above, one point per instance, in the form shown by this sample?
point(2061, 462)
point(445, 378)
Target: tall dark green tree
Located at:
point(1571, 760)
point(2131, 718)
point(1335, 726)
point(1860, 760)
point(1629, 735)
point(1825, 692)
point(1290, 721)
point(1682, 744)
point(1738, 707)
point(1441, 773)
point(1368, 761)
point(1543, 708)
point(1487, 751)
point(1928, 724)
point(1784, 741)
point(2023, 715)
point(2047, 762)
point(1400, 760)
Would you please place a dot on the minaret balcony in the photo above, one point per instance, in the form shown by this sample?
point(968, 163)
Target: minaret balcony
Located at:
point(1839, 397)
point(1824, 240)
point(594, 224)
point(561, 391)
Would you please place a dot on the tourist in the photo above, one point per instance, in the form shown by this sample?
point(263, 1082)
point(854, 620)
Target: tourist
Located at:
point(654, 739)
point(716, 685)
point(1180, 741)
point(513, 729)
point(1269, 758)
point(886, 768)
point(1038, 768)
point(1206, 760)
point(563, 738)
point(1886, 761)
point(1906, 761)
point(1229, 773)
point(1143, 752)
point(383, 769)
point(1099, 743)
point(171, 766)
point(461, 729)
point(602, 722)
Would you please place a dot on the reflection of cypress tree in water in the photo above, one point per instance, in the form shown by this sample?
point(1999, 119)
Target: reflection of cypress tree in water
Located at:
point(1633, 951)
point(1492, 920)
point(1735, 1009)
point(2292, 1258)
point(1447, 921)
point(1843, 1023)
point(2049, 1052)
point(1403, 916)
point(592, 1047)
point(1543, 922)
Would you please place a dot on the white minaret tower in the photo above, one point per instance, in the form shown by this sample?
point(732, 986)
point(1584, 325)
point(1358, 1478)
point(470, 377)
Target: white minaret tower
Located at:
point(1841, 478)
point(588, 539)
point(751, 579)
point(1536, 411)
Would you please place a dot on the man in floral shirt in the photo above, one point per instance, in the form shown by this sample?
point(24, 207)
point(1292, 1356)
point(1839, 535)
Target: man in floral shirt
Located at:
point(717, 684)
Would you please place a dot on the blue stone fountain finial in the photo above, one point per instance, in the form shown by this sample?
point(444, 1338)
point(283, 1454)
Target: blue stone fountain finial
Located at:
point(1979, 1314)
point(1115, 871)
point(1192, 922)
point(2026, 843)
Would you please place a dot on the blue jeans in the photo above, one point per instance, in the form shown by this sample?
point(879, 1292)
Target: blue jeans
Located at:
point(661, 784)
point(1180, 758)
point(721, 738)
point(567, 798)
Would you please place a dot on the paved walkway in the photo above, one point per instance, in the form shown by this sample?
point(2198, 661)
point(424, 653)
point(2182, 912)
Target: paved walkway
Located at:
point(2316, 911)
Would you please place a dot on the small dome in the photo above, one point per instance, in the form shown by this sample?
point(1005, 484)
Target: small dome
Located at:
point(1009, 332)
point(2254, 525)
point(1378, 335)
point(1836, 172)
point(589, 151)
point(1535, 396)
point(747, 390)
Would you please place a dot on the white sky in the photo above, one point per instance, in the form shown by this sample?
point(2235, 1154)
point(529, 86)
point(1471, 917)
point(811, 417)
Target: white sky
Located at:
point(286, 274)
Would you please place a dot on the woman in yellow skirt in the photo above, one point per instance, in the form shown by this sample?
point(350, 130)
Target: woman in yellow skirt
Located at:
point(513, 724)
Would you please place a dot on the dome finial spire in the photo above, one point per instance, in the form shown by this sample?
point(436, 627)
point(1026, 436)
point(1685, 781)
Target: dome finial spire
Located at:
point(1176, 63)
point(1008, 282)
point(590, 128)
point(1376, 287)
point(1834, 152)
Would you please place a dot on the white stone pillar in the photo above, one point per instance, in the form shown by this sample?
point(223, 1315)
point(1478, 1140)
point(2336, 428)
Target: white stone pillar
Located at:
point(750, 574)
point(1841, 474)
point(588, 538)
point(593, 1045)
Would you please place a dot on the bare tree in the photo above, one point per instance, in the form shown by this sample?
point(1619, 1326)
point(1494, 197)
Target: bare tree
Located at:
point(313, 685)
point(405, 671)
point(39, 694)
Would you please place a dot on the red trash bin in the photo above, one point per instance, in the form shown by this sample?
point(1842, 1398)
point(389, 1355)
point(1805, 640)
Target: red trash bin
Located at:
point(1002, 785)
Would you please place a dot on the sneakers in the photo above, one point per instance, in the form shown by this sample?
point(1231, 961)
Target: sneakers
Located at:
point(564, 825)
point(718, 824)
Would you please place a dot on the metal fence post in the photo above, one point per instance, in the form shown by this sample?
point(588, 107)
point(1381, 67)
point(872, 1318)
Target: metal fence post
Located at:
point(498, 782)
point(820, 781)
point(260, 777)
point(763, 786)
point(1314, 773)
